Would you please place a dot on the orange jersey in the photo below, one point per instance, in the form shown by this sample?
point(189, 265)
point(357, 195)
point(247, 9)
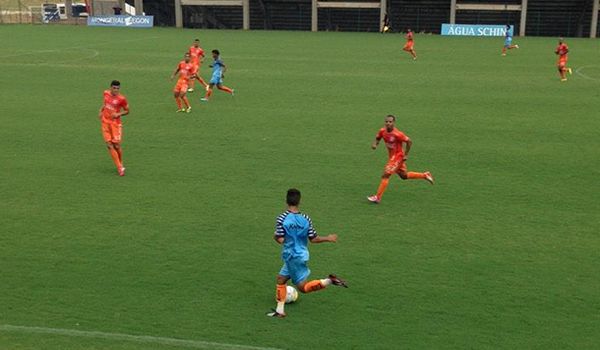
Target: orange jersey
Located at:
point(196, 53)
point(562, 50)
point(186, 70)
point(113, 104)
point(393, 141)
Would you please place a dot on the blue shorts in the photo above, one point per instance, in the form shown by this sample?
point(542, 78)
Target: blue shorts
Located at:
point(216, 79)
point(296, 269)
point(507, 42)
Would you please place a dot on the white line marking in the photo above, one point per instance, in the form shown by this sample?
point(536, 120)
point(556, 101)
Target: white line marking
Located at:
point(578, 72)
point(86, 47)
point(197, 344)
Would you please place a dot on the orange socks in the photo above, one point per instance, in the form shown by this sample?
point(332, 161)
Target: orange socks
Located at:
point(224, 88)
point(208, 93)
point(178, 102)
point(120, 152)
point(382, 186)
point(281, 292)
point(313, 286)
point(115, 156)
point(411, 175)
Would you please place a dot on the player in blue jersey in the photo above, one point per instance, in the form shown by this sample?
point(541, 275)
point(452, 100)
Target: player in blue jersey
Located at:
point(218, 75)
point(293, 230)
point(508, 45)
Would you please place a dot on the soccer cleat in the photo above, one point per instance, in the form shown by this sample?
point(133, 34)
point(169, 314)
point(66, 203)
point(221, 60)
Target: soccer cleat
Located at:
point(190, 90)
point(180, 110)
point(374, 199)
point(274, 313)
point(188, 110)
point(570, 71)
point(565, 79)
point(336, 281)
point(516, 46)
point(503, 54)
point(232, 92)
point(428, 177)
point(204, 99)
point(122, 171)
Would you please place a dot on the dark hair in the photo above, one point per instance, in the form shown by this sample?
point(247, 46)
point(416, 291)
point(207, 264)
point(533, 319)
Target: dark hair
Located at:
point(115, 83)
point(196, 39)
point(293, 197)
point(391, 116)
point(216, 51)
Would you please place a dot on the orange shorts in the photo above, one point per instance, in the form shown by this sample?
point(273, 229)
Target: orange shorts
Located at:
point(394, 166)
point(181, 86)
point(562, 62)
point(111, 132)
point(409, 46)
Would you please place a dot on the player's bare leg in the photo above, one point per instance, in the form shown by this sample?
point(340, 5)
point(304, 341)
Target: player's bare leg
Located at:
point(385, 180)
point(416, 176)
point(118, 149)
point(204, 84)
point(188, 107)
point(225, 88)
point(178, 101)
point(562, 73)
point(115, 157)
point(209, 88)
point(414, 54)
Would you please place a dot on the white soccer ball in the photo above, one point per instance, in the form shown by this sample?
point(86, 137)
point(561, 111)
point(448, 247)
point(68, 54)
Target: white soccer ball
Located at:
point(291, 295)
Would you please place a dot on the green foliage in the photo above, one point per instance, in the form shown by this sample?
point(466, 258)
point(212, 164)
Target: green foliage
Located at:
point(502, 252)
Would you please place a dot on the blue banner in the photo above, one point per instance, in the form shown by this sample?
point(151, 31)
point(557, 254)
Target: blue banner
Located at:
point(475, 29)
point(121, 21)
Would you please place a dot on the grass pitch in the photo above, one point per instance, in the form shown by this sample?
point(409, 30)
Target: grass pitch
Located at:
point(501, 253)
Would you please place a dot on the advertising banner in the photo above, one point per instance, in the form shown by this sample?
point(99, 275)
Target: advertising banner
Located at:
point(475, 29)
point(121, 21)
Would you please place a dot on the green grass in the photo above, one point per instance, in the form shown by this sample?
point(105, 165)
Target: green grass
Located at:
point(501, 253)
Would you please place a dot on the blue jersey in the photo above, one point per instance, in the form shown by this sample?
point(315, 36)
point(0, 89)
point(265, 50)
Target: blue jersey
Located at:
point(296, 229)
point(509, 34)
point(217, 67)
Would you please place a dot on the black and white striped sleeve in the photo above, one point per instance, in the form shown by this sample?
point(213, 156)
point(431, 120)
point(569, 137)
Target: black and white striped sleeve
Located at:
point(279, 230)
point(312, 233)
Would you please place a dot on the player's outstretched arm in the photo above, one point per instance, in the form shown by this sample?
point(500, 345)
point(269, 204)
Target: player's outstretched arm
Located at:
point(332, 238)
point(375, 144)
point(174, 73)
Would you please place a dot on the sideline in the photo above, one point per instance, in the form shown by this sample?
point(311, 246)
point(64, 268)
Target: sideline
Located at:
point(197, 344)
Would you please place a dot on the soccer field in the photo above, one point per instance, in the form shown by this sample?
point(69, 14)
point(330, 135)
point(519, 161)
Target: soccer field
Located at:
point(502, 252)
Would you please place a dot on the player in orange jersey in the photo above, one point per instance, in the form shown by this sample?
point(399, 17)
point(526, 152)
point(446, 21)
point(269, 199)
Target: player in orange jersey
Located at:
point(394, 140)
point(562, 50)
point(110, 116)
point(410, 42)
point(197, 54)
point(186, 72)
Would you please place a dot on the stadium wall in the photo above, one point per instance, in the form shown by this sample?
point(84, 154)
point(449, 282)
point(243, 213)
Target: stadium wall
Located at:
point(544, 17)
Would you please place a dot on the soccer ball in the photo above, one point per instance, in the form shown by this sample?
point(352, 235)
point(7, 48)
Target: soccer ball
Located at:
point(291, 295)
